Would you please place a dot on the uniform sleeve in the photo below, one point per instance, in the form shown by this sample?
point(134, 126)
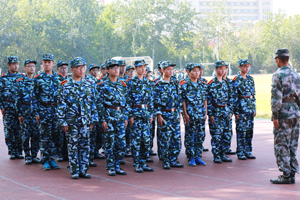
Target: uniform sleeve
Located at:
point(62, 107)
point(254, 97)
point(179, 99)
point(127, 108)
point(183, 93)
point(129, 100)
point(100, 103)
point(157, 100)
point(235, 98)
point(151, 105)
point(18, 100)
point(276, 96)
point(94, 112)
point(35, 98)
point(1, 94)
point(209, 102)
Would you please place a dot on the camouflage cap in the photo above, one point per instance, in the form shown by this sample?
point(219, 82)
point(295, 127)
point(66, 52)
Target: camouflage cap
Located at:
point(12, 59)
point(148, 69)
point(129, 67)
point(166, 64)
point(122, 62)
point(220, 63)
point(158, 65)
point(48, 56)
point(191, 66)
point(77, 62)
point(102, 66)
point(199, 65)
point(27, 61)
point(140, 62)
point(243, 62)
point(111, 62)
point(92, 66)
point(282, 52)
point(61, 63)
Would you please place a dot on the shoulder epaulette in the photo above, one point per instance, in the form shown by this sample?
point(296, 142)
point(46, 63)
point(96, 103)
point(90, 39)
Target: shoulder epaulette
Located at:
point(89, 81)
point(63, 82)
point(203, 82)
point(156, 79)
point(204, 79)
point(123, 83)
point(3, 74)
point(182, 82)
point(68, 74)
point(20, 79)
point(128, 80)
point(60, 74)
point(157, 82)
point(100, 83)
point(37, 75)
point(23, 74)
point(212, 80)
point(100, 78)
point(234, 78)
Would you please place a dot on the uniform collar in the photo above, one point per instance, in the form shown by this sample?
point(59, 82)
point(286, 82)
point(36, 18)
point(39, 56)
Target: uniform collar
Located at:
point(285, 67)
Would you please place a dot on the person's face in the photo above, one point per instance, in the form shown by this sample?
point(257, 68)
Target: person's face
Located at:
point(129, 73)
point(148, 75)
point(63, 69)
point(194, 73)
point(245, 68)
point(30, 68)
point(13, 67)
point(103, 72)
point(114, 71)
point(48, 65)
point(78, 71)
point(94, 72)
point(122, 69)
point(141, 70)
point(226, 72)
point(168, 72)
point(201, 72)
point(220, 71)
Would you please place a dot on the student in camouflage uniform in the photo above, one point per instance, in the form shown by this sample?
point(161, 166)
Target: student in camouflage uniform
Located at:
point(193, 95)
point(219, 110)
point(77, 115)
point(113, 116)
point(12, 129)
point(129, 71)
point(44, 106)
point(140, 101)
point(94, 70)
point(122, 75)
point(167, 102)
point(62, 68)
point(244, 110)
point(285, 101)
point(29, 126)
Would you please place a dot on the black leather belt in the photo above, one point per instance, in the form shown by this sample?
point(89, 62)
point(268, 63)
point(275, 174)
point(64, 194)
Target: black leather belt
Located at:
point(219, 106)
point(289, 100)
point(49, 104)
point(10, 101)
point(169, 110)
point(115, 108)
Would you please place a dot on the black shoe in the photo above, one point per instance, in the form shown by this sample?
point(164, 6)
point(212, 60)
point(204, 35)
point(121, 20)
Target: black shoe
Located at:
point(122, 162)
point(99, 156)
point(146, 168)
point(36, 160)
point(205, 149)
point(92, 164)
point(250, 156)
point(128, 155)
point(75, 176)
point(86, 175)
point(152, 153)
point(177, 164)
point(120, 171)
point(230, 152)
point(226, 159)
point(242, 157)
point(166, 166)
point(66, 158)
point(139, 169)
point(60, 159)
point(293, 179)
point(12, 157)
point(217, 160)
point(112, 172)
point(19, 156)
point(148, 160)
point(103, 152)
point(281, 180)
point(28, 162)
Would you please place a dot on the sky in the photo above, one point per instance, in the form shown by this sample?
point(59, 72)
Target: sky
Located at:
point(291, 7)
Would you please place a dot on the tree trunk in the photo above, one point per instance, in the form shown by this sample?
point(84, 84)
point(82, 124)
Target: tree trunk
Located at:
point(133, 42)
point(180, 57)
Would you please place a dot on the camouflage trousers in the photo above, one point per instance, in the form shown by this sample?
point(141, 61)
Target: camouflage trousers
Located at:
point(30, 137)
point(286, 144)
point(140, 141)
point(63, 148)
point(219, 132)
point(93, 140)
point(169, 140)
point(194, 138)
point(12, 131)
point(99, 138)
point(78, 148)
point(128, 136)
point(158, 140)
point(49, 139)
point(152, 133)
point(227, 140)
point(244, 133)
point(115, 143)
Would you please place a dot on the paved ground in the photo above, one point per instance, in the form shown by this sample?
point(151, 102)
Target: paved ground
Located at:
point(238, 180)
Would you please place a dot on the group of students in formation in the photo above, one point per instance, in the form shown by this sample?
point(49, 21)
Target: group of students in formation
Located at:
point(72, 116)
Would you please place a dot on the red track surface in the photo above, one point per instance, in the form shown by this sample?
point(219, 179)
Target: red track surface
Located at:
point(238, 180)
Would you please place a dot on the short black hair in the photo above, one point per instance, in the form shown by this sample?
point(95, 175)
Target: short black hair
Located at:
point(112, 66)
point(284, 59)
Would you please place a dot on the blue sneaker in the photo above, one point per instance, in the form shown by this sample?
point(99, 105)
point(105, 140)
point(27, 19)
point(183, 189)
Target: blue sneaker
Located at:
point(53, 164)
point(192, 162)
point(200, 162)
point(46, 166)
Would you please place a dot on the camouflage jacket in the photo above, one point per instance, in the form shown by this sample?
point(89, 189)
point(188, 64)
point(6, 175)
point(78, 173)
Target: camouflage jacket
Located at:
point(23, 98)
point(124, 78)
point(77, 103)
point(91, 78)
point(194, 97)
point(140, 92)
point(8, 89)
point(219, 93)
point(45, 90)
point(285, 84)
point(167, 96)
point(243, 87)
point(115, 95)
point(102, 78)
point(203, 80)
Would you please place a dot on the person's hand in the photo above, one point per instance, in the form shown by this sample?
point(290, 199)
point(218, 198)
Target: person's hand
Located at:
point(187, 119)
point(255, 114)
point(104, 126)
point(126, 124)
point(160, 120)
point(131, 121)
point(151, 120)
point(237, 117)
point(212, 120)
point(38, 119)
point(21, 119)
point(65, 128)
point(91, 126)
point(205, 117)
point(3, 112)
point(276, 124)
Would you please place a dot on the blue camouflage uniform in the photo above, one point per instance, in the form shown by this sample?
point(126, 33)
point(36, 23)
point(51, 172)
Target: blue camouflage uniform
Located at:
point(12, 129)
point(29, 127)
